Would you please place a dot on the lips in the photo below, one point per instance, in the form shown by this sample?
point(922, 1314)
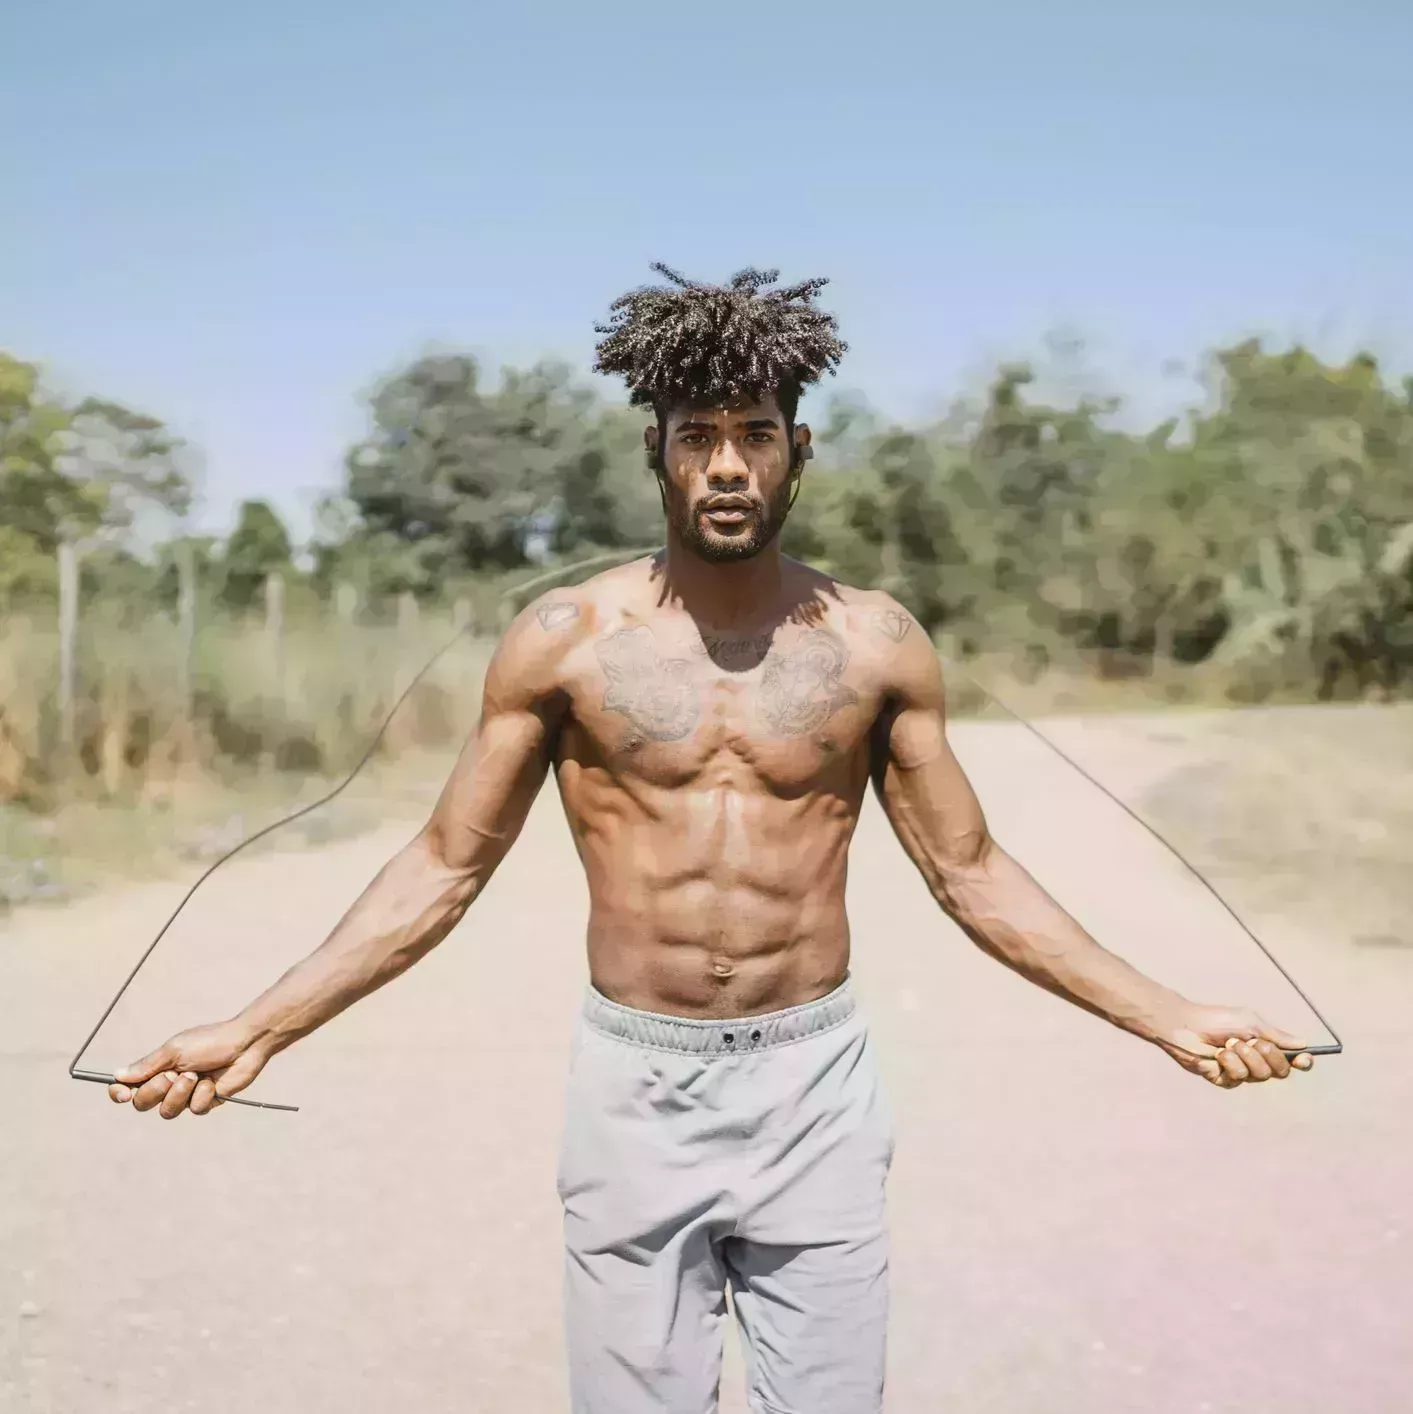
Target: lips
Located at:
point(728, 510)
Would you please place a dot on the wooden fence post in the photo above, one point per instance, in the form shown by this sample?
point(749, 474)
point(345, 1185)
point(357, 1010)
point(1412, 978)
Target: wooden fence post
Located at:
point(275, 629)
point(68, 638)
point(186, 634)
point(346, 604)
point(352, 666)
point(408, 614)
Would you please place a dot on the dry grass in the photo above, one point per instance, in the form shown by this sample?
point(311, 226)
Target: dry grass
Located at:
point(148, 791)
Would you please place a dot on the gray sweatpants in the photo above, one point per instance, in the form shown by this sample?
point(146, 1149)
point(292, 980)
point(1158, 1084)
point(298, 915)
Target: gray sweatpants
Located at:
point(699, 1154)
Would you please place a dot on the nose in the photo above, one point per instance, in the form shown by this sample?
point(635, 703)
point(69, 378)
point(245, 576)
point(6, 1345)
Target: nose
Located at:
point(727, 466)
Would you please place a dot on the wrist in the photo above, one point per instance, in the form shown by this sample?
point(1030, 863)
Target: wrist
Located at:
point(1162, 1017)
point(259, 1031)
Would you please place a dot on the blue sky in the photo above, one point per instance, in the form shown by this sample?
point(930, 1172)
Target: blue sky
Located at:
point(239, 216)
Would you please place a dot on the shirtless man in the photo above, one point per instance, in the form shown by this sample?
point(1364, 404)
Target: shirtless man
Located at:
point(714, 715)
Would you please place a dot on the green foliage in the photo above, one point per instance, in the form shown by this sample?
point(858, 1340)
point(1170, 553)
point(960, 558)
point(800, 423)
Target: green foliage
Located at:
point(124, 459)
point(1271, 541)
point(452, 475)
point(1265, 540)
point(258, 546)
point(27, 570)
point(36, 497)
point(205, 553)
point(80, 473)
point(1265, 536)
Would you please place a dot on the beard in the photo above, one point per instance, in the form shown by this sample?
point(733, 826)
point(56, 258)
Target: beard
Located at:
point(746, 540)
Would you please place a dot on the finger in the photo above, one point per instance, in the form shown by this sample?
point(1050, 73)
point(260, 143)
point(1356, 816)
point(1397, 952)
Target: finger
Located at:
point(149, 1067)
point(203, 1097)
point(1210, 1069)
point(1232, 1067)
point(1302, 1062)
point(1255, 1062)
point(1284, 1039)
point(150, 1095)
point(175, 1100)
point(1195, 1045)
point(1256, 1068)
point(119, 1094)
point(1274, 1057)
point(240, 1074)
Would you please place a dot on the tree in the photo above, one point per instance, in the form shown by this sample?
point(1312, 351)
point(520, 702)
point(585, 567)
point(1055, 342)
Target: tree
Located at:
point(1311, 467)
point(451, 474)
point(203, 553)
point(27, 571)
point(36, 497)
point(125, 460)
point(76, 477)
point(258, 546)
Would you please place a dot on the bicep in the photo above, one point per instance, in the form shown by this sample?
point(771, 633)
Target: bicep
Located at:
point(500, 769)
point(920, 783)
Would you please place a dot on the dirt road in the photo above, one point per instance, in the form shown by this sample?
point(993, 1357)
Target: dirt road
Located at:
point(1078, 1225)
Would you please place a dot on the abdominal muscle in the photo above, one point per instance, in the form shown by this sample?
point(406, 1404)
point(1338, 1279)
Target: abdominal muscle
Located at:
point(715, 901)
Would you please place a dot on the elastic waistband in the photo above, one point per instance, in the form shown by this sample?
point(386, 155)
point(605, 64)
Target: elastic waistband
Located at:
point(718, 1038)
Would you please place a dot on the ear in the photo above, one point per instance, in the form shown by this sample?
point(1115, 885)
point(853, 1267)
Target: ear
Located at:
point(804, 449)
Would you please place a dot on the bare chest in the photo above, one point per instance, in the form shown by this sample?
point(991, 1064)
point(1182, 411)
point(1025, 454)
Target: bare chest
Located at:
point(784, 708)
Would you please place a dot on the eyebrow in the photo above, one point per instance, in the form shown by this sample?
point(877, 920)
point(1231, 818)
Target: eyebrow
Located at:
point(754, 425)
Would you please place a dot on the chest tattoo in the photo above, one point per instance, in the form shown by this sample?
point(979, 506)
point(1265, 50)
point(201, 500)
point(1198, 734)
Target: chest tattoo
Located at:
point(801, 687)
point(659, 696)
point(736, 654)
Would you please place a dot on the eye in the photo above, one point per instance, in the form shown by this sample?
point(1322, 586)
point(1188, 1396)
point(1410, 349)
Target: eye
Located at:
point(692, 438)
point(761, 437)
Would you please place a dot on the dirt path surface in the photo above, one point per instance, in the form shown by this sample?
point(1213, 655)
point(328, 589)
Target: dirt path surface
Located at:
point(1078, 1225)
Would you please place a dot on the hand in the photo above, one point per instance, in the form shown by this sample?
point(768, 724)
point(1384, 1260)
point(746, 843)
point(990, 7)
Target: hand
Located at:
point(195, 1070)
point(1228, 1046)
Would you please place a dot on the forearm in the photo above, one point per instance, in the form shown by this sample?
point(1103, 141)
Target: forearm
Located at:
point(1010, 917)
point(406, 911)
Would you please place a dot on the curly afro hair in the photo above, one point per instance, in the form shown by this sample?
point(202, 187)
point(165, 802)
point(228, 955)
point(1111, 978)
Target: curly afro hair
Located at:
point(710, 344)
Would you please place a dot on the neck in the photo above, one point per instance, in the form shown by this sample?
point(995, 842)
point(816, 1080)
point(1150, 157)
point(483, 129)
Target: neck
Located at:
point(721, 595)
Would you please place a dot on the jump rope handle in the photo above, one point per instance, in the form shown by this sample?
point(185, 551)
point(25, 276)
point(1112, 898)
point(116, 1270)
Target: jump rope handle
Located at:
point(99, 1079)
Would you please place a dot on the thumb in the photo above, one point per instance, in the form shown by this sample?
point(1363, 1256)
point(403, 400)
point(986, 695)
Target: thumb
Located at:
point(1199, 1046)
point(240, 1073)
point(1188, 1041)
point(1286, 1040)
point(154, 1063)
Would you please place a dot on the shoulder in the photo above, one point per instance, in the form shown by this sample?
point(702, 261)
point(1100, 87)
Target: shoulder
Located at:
point(537, 646)
point(901, 659)
point(868, 618)
point(881, 619)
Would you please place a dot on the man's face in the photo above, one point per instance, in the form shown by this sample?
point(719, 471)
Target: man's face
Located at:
point(726, 476)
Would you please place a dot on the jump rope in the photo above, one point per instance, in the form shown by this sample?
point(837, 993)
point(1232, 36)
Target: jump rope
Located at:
point(564, 572)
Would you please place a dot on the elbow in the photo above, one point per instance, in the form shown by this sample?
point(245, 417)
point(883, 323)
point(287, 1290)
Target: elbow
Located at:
point(963, 869)
point(448, 869)
point(970, 854)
